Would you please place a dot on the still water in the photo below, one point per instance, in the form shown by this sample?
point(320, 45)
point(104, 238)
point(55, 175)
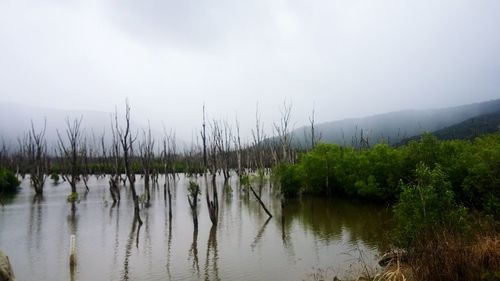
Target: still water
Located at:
point(245, 245)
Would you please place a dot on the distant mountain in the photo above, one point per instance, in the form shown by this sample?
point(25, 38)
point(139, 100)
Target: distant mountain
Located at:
point(394, 127)
point(15, 120)
point(468, 129)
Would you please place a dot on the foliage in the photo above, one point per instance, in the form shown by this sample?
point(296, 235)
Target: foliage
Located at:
point(245, 180)
point(72, 198)
point(473, 170)
point(8, 181)
point(426, 206)
point(482, 181)
point(55, 177)
point(289, 177)
point(194, 190)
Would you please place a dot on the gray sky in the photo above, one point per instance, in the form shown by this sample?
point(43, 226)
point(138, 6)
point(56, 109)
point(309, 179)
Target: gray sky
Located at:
point(349, 58)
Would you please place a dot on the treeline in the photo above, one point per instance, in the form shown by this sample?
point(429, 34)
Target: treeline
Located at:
point(379, 173)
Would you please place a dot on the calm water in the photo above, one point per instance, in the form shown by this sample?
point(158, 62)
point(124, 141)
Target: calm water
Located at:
point(245, 245)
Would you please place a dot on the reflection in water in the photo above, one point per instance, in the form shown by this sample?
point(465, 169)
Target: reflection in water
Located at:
point(128, 248)
point(286, 232)
point(212, 255)
point(329, 218)
point(72, 227)
point(117, 236)
point(169, 248)
point(260, 233)
point(37, 198)
point(193, 253)
point(34, 230)
point(314, 232)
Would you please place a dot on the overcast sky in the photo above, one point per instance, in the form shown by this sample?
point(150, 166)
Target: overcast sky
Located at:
point(348, 58)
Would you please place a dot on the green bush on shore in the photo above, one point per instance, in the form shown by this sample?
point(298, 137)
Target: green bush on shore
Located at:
point(428, 205)
point(375, 173)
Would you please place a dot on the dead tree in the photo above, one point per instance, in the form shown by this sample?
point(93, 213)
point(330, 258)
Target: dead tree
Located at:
point(127, 142)
point(238, 148)
point(283, 131)
point(260, 202)
point(215, 148)
point(225, 150)
point(114, 178)
point(36, 152)
point(258, 138)
point(314, 138)
point(193, 192)
point(169, 151)
point(86, 153)
point(146, 147)
point(69, 151)
point(204, 139)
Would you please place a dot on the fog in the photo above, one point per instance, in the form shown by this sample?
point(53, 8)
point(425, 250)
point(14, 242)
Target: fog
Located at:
point(344, 58)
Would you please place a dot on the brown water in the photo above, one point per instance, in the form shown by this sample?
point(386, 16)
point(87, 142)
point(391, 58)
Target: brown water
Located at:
point(245, 245)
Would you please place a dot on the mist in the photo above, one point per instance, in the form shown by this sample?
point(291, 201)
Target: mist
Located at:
point(343, 58)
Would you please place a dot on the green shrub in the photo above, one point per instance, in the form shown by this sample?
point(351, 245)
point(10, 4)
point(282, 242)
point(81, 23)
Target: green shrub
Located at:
point(194, 190)
point(245, 181)
point(427, 206)
point(289, 177)
point(55, 177)
point(72, 198)
point(8, 181)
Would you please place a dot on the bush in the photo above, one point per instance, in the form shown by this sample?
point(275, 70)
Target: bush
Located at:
point(8, 181)
point(245, 181)
point(289, 178)
point(194, 190)
point(55, 177)
point(72, 198)
point(427, 206)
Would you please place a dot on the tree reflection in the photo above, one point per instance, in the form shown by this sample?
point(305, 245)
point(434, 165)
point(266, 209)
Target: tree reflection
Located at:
point(73, 229)
point(328, 218)
point(212, 255)
point(193, 253)
point(260, 234)
point(169, 247)
point(128, 247)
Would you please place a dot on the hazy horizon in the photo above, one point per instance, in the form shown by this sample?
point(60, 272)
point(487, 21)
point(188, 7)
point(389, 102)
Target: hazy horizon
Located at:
point(345, 59)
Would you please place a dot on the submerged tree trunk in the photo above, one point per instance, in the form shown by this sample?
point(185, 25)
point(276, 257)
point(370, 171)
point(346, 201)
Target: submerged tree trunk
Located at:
point(213, 206)
point(261, 203)
point(127, 141)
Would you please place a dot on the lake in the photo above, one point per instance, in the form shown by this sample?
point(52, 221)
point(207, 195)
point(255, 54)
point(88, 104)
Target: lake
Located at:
point(339, 235)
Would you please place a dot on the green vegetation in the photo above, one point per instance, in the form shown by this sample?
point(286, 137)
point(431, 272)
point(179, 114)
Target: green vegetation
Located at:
point(426, 206)
point(55, 177)
point(471, 170)
point(72, 198)
point(437, 188)
point(194, 190)
point(8, 181)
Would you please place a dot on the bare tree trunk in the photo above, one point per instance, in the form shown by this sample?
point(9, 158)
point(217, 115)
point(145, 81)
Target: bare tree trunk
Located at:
point(35, 148)
point(70, 154)
point(146, 148)
point(193, 193)
point(127, 143)
point(213, 205)
point(260, 202)
point(204, 139)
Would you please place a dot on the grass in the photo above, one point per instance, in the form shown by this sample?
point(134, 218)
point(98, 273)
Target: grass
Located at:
point(446, 256)
point(392, 273)
point(438, 257)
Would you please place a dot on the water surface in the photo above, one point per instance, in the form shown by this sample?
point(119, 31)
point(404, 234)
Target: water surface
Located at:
point(245, 245)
